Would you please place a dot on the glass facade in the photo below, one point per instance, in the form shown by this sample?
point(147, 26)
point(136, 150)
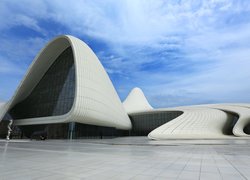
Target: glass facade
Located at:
point(93, 132)
point(54, 94)
point(144, 123)
point(67, 131)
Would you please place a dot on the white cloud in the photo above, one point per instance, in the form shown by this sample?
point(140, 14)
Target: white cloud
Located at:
point(202, 47)
point(7, 67)
point(18, 49)
point(26, 13)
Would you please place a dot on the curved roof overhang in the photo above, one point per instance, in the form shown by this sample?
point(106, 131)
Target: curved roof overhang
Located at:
point(111, 115)
point(35, 72)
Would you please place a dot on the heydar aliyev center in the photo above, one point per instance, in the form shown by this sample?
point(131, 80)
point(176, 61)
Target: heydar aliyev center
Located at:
point(67, 93)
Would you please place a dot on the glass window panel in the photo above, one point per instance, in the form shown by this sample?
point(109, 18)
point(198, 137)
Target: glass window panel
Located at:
point(54, 94)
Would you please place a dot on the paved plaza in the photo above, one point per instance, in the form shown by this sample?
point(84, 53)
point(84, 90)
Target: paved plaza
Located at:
point(125, 158)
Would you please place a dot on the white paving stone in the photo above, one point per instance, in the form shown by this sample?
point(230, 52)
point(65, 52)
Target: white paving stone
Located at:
point(125, 158)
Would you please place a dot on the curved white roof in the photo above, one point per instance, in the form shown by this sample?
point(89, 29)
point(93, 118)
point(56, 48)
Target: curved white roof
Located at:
point(136, 102)
point(96, 101)
point(244, 117)
point(193, 123)
point(205, 121)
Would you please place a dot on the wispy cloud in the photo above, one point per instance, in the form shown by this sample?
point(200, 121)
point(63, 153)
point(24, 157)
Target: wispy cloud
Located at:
point(178, 52)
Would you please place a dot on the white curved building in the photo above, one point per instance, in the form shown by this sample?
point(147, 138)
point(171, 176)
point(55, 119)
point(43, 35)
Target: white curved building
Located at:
point(66, 91)
point(67, 83)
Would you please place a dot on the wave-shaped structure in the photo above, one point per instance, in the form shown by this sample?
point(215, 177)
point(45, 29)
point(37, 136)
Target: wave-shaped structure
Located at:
point(67, 83)
point(206, 121)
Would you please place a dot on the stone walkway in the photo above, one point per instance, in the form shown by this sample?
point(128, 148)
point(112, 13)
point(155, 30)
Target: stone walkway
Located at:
point(125, 158)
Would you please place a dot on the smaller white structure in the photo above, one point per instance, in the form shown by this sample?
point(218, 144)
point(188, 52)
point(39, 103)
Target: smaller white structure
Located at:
point(136, 102)
point(198, 121)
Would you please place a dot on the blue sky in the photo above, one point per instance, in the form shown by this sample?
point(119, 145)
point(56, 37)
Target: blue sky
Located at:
point(177, 52)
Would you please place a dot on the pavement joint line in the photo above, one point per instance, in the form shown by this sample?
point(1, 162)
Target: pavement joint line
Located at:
point(235, 168)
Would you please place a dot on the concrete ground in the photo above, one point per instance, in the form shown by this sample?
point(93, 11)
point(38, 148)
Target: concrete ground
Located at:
point(125, 158)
